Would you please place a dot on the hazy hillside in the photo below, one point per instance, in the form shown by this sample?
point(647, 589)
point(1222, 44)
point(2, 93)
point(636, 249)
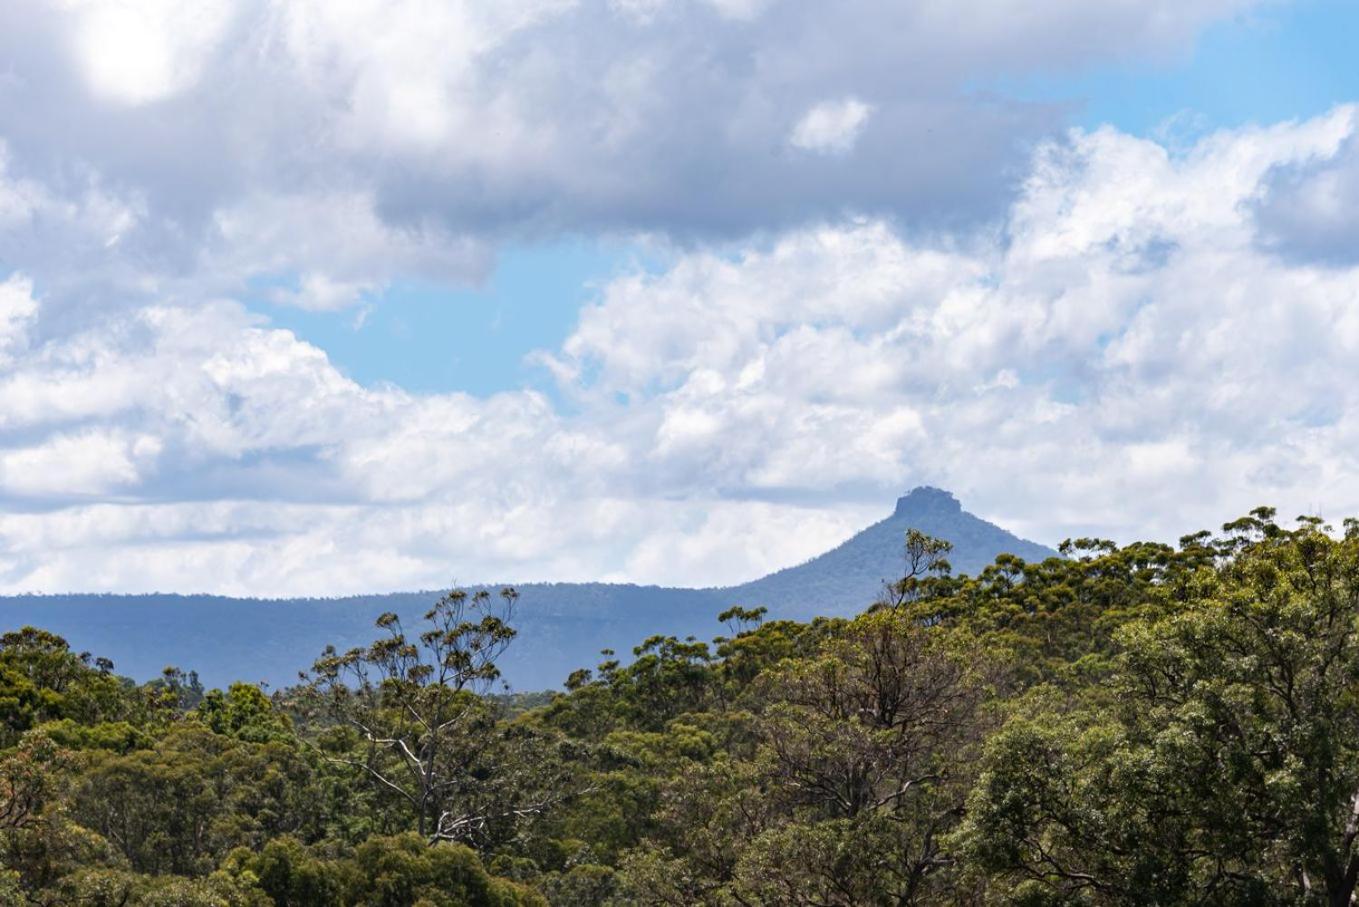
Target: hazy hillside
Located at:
point(562, 625)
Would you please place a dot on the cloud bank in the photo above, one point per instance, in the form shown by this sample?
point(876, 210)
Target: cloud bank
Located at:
point(334, 147)
point(1135, 347)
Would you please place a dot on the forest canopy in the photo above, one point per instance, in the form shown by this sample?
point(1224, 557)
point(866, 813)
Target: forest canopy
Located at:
point(1131, 724)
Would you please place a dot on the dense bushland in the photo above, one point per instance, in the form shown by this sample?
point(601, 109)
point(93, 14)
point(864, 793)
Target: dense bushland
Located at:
point(1123, 725)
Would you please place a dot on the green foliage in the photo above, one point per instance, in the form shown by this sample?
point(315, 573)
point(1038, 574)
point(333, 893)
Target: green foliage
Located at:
point(116, 888)
point(180, 806)
point(1123, 725)
point(114, 736)
point(380, 872)
point(42, 680)
point(245, 713)
point(1226, 767)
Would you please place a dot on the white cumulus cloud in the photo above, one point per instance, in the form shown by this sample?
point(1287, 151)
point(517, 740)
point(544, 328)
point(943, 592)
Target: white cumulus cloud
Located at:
point(1079, 369)
point(17, 308)
point(831, 126)
point(144, 51)
point(1126, 357)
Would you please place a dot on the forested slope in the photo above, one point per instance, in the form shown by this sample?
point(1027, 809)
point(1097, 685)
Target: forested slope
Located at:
point(1144, 724)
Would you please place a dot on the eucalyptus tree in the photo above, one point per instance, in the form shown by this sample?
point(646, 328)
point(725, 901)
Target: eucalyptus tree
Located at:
point(1218, 763)
point(408, 713)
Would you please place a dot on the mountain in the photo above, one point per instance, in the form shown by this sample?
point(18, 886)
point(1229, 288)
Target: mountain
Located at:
point(848, 577)
point(562, 626)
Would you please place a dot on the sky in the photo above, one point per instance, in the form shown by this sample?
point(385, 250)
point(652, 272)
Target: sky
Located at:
point(317, 298)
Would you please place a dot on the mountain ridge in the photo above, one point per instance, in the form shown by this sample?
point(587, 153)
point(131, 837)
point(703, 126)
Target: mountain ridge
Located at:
point(562, 625)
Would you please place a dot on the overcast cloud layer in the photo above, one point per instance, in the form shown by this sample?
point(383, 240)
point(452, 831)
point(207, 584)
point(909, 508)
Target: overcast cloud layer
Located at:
point(876, 280)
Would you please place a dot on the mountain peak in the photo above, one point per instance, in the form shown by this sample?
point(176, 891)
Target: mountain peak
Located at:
point(927, 499)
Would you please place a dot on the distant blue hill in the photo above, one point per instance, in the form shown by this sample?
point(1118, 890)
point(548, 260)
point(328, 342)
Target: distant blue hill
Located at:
point(563, 626)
